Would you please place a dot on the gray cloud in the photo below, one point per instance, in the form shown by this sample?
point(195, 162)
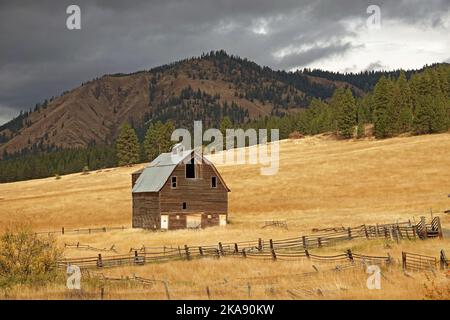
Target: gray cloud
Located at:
point(377, 65)
point(40, 58)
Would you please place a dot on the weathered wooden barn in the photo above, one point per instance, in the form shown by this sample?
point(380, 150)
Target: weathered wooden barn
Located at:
point(180, 189)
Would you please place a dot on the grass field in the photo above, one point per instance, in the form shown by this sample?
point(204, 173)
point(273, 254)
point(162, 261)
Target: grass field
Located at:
point(321, 183)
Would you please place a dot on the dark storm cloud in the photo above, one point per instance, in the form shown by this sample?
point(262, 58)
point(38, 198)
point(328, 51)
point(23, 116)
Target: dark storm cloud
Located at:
point(40, 58)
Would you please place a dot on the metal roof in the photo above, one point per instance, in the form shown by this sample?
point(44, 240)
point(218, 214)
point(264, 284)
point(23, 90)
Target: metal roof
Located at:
point(158, 171)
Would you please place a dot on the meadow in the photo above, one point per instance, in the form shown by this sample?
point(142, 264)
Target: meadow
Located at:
point(322, 182)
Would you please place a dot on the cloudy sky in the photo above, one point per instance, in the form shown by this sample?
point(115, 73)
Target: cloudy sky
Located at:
point(40, 57)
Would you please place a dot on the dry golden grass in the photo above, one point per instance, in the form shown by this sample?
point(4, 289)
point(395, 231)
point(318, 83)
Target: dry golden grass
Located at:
point(321, 182)
point(247, 279)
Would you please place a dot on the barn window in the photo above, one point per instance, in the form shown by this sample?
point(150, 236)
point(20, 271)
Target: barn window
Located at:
point(190, 169)
point(184, 206)
point(209, 216)
point(174, 182)
point(214, 182)
point(178, 217)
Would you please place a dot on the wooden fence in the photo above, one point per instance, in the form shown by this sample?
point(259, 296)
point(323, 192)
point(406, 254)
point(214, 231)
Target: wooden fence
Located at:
point(282, 249)
point(275, 223)
point(88, 247)
point(418, 262)
point(64, 231)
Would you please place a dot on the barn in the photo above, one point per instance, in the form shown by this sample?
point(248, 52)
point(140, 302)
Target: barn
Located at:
point(180, 189)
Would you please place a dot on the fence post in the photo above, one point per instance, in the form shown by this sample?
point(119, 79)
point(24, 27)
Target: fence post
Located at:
point(244, 255)
point(386, 233)
point(62, 230)
point(200, 250)
point(305, 245)
point(349, 230)
point(376, 231)
point(365, 231)
point(319, 242)
point(260, 244)
point(221, 249)
point(102, 293)
point(208, 293)
point(104, 229)
point(271, 244)
point(307, 254)
point(404, 261)
point(350, 255)
point(443, 260)
point(186, 250)
point(274, 256)
point(99, 261)
point(236, 249)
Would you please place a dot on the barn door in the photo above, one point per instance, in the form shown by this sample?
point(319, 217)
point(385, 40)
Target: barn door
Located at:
point(194, 221)
point(164, 222)
point(222, 220)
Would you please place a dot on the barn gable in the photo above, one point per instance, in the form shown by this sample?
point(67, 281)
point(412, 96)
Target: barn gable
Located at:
point(153, 177)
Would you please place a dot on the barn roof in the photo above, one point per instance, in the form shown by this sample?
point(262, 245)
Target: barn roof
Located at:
point(155, 175)
point(158, 171)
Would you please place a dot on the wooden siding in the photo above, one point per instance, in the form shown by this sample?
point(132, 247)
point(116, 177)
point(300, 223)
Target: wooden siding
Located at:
point(198, 194)
point(214, 220)
point(146, 211)
point(175, 223)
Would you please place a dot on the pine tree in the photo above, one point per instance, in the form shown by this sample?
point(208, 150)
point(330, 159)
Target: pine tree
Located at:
point(225, 124)
point(361, 129)
point(382, 108)
point(158, 139)
point(404, 104)
point(127, 146)
point(344, 105)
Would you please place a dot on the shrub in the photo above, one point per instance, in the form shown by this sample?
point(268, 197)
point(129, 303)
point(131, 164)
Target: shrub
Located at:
point(26, 257)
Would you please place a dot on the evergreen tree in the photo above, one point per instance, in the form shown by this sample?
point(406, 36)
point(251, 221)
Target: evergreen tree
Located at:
point(360, 130)
point(225, 124)
point(403, 104)
point(382, 108)
point(344, 105)
point(158, 139)
point(127, 146)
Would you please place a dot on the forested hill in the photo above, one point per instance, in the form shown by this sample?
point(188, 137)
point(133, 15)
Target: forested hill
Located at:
point(84, 128)
point(365, 80)
point(209, 88)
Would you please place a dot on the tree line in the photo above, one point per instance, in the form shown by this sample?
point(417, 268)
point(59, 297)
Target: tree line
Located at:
point(415, 103)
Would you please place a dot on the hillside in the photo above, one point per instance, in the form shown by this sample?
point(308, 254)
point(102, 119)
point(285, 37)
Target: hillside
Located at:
point(320, 181)
point(207, 88)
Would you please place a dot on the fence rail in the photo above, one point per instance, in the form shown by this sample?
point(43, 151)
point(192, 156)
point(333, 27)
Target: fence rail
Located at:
point(64, 231)
point(282, 249)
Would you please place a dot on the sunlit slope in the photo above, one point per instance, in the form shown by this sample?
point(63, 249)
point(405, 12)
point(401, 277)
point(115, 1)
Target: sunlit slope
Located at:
point(320, 181)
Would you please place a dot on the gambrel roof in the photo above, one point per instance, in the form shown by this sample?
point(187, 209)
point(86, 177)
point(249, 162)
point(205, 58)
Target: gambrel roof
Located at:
point(155, 175)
